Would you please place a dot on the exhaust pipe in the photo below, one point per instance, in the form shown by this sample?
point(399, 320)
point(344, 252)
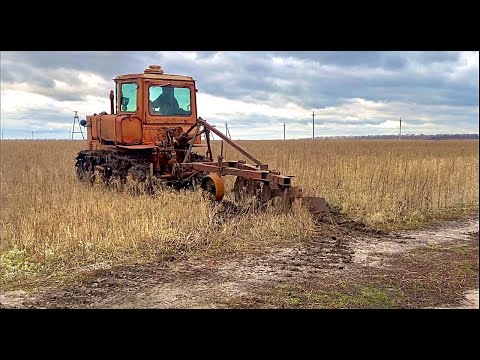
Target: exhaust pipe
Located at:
point(112, 96)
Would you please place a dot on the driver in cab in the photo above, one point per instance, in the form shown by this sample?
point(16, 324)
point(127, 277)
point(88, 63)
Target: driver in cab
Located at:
point(167, 103)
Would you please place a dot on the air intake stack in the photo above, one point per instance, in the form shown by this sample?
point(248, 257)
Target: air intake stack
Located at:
point(154, 69)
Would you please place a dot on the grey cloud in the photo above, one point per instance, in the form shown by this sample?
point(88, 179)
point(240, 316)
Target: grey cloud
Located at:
point(242, 75)
point(413, 122)
point(320, 80)
point(383, 59)
point(105, 63)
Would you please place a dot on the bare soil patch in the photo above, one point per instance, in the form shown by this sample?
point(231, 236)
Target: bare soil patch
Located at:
point(342, 267)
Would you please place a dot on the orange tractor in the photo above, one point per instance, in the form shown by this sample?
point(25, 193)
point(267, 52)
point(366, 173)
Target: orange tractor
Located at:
point(150, 136)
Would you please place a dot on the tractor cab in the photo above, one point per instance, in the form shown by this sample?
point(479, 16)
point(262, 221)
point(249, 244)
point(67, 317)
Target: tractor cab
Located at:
point(143, 108)
point(156, 97)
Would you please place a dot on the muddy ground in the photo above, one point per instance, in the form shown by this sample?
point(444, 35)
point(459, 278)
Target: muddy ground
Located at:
point(344, 266)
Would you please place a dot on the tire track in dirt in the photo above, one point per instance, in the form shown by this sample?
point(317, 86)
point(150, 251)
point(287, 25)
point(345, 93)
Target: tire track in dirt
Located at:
point(200, 283)
point(374, 251)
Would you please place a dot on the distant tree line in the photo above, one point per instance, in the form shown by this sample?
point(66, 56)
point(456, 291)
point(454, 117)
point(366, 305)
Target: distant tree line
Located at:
point(407, 137)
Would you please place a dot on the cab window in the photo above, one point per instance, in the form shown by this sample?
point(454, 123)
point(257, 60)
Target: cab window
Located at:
point(129, 97)
point(169, 101)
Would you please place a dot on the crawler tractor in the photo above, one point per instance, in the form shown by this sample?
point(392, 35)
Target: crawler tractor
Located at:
point(151, 134)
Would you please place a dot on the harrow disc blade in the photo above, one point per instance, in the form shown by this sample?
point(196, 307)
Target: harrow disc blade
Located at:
point(214, 185)
point(245, 188)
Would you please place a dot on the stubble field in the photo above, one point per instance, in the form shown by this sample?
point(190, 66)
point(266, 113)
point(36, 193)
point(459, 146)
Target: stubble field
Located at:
point(52, 227)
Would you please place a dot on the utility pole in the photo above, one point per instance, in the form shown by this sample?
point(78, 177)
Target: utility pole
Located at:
point(227, 131)
point(313, 124)
point(227, 134)
point(400, 134)
point(283, 131)
point(33, 137)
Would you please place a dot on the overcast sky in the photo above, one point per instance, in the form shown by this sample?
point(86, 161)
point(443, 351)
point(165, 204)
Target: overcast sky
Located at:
point(352, 93)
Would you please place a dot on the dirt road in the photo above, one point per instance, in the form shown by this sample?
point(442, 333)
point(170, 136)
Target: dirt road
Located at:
point(435, 267)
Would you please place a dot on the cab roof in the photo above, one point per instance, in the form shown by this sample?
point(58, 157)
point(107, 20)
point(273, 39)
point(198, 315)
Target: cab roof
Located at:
point(154, 72)
point(154, 76)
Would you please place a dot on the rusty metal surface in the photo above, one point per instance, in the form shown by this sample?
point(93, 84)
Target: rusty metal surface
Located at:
point(155, 77)
point(140, 127)
point(260, 175)
point(215, 185)
point(136, 147)
point(112, 98)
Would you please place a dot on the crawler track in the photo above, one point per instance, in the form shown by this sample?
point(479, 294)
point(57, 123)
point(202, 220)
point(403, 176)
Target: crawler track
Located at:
point(116, 169)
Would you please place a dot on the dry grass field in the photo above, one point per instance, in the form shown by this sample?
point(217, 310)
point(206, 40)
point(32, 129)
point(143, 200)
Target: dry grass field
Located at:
point(52, 226)
point(388, 184)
